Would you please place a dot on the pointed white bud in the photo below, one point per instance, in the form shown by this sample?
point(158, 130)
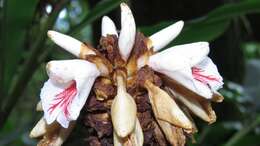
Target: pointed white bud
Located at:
point(128, 30)
point(68, 43)
point(39, 106)
point(39, 129)
point(108, 27)
point(165, 36)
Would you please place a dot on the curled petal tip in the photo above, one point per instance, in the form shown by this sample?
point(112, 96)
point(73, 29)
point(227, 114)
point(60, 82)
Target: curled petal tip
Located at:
point(108, 27)
point(128, 31)
point(66, 42)
point(39, 106)
point(49, 33)
point(165, 36)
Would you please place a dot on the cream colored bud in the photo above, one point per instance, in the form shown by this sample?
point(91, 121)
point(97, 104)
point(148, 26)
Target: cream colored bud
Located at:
point(39, 129)
point(136, 138)
point(123, 110)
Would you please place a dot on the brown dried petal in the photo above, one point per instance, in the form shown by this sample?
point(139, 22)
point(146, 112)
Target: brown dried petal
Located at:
point(101, 122)
point(158, 135)
point(173, 134)
point(95, 105)
point(110, 46)
point(104, 88)
point(139, 49)
point(165, 108)
point(56, 137)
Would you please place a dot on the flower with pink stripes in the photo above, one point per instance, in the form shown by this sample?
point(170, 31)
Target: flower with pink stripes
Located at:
point(189, 65)
point(67, 89)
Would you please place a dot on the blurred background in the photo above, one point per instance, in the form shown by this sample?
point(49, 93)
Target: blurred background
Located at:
point(231, 26)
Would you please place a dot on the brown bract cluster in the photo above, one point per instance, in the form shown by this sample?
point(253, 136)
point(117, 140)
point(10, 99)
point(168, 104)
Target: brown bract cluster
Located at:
point(125, 92)
point(131, 106)
point(162, 116)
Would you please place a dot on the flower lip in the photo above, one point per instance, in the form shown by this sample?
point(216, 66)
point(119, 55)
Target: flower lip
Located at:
point(64, 99)
point(66, 92)
point(180, 63)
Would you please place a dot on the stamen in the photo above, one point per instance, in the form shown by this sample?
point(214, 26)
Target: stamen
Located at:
point(199, 76)
point(64, 99)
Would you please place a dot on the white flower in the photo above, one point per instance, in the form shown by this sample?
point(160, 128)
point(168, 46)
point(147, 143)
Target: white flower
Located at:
point(126, 38)
point(67, 89)
point(189, 65)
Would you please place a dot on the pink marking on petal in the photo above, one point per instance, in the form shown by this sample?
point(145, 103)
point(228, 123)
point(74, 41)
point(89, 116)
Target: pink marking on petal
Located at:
point(64, 99)
point(198, 75)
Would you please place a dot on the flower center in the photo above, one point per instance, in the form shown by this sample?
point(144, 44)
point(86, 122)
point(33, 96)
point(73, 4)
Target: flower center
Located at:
point(198, 75)
point(64, 99)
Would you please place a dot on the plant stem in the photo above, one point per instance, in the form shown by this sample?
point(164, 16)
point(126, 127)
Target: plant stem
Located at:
point(240, 134)
point(3, 35)
point(30, 65)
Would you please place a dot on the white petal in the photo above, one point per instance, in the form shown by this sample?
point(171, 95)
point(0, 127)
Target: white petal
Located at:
point(82, 73)
point(168, 61)
point(202, 89)
point(58, 71)
point(180, 56)
point(108, 27)
point(166, 35)
point(194, 52)
point(209, 74)
point(178, 68)
point(128, 30)
point(84, 86)
point(68, 43)
point(63, 120)
point(48, 93)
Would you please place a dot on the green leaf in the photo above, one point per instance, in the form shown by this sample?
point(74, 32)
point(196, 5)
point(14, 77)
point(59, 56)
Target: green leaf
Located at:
point(211, 26)
point(232, 10)
point(99, 10)
point(18, 16)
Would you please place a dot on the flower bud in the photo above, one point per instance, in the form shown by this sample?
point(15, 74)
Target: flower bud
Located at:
point(123, 110)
